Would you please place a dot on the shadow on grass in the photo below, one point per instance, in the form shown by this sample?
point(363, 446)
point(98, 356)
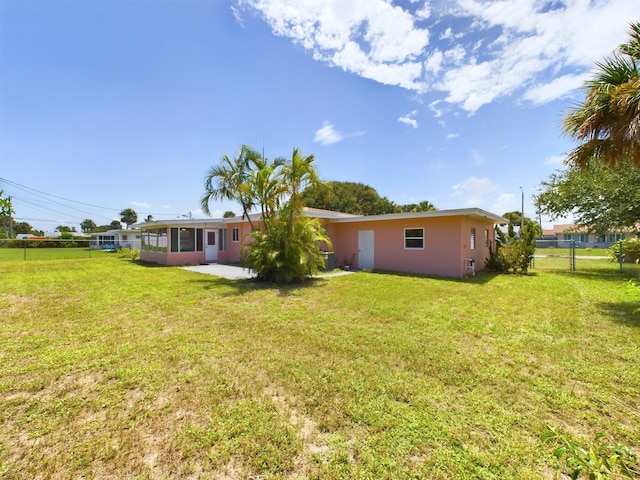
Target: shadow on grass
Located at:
point(229, 287)
point(480, 278)
point(623, 313)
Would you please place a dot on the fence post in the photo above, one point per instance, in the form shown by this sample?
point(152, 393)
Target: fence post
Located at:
point(620, 256)
point(573, 256)
point(25, 250)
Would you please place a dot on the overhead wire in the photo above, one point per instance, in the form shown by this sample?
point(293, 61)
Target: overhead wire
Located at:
point(62, 210)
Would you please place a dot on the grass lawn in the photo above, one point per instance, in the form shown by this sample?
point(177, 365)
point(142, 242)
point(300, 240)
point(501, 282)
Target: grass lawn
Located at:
point(113, 369)
point(49, 253)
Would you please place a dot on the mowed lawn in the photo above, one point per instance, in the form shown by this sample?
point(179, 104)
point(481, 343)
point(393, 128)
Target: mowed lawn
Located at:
point(114, 369)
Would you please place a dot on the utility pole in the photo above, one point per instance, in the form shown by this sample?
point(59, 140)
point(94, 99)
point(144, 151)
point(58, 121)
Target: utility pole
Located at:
point(522, 213)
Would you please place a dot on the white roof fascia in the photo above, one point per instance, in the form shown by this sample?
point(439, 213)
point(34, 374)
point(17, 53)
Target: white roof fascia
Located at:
point(471, 212)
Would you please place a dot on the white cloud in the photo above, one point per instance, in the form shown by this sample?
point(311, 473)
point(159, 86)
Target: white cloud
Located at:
point(555, 160)
point(328, 135)
point(409, 120)
point(509, 47)
point(451, 136)
point(146, 205)
point(506, 202)
point(557, 88)
point(433, 106)
point(472, 191)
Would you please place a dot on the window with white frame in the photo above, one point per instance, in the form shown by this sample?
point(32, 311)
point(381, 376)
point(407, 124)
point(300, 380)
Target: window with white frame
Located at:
point(414, 238)
point(486, 237)
point(235, 234)
point(472, 239)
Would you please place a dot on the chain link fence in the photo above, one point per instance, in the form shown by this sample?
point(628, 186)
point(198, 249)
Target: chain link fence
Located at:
point(571, 255)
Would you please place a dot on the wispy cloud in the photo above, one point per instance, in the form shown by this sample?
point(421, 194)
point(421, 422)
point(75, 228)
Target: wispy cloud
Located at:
point(497, 48)
point(146, 205)
point(555, 160)
point(409, 120)
point(328, 135)
point(473, 191)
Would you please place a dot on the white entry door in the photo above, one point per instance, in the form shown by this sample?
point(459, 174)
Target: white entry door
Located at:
point(365, 249)
point(211, 245)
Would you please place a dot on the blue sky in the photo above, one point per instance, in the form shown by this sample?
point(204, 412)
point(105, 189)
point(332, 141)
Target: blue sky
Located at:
point(114, 104)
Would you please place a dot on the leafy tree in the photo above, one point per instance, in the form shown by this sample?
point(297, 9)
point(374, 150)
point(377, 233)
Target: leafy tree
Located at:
point(148, 218)
point(424, 206)
point(6, 211)
point(22, 227)
point(607, 123)
point(515, 219)
point(115, 225)
point(228, 214)
point(128, 216)
point(231, 180)
point(88, 225)
point(348, 197)
point(600, 199)
point(62, 228)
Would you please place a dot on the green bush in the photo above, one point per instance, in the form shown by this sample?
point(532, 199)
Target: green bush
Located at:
point(512, 254)
point(286, 253)
point(630, 250)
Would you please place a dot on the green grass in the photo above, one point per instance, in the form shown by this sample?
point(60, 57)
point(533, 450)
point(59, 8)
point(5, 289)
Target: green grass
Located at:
point(565, 252)
point(113, 369)
point(15, 254)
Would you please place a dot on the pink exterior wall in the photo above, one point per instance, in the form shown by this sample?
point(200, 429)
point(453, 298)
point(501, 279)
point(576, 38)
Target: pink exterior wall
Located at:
point(184, 258)
point(446, 244)
point(233, 254)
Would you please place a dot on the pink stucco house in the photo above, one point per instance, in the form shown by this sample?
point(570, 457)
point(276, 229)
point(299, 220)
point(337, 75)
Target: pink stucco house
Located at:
point(450, 243)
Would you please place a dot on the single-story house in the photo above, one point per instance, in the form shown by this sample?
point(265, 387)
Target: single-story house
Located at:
point(117, 238)
point(451, 243)
point(562, 235)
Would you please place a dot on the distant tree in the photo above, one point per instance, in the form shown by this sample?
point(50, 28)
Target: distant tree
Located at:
point(348, 197)
point(228, 214)
point(115, 225)
point(149, 219)
point(607, 123)
point(424, 206)
point(88, 225)
point(21, 227)
point(515, 218)
point(128, 216)
point(62, 228)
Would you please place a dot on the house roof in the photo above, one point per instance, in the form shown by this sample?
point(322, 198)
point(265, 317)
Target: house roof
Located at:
point(333, 217)
point(470, 212)
point(119, 231)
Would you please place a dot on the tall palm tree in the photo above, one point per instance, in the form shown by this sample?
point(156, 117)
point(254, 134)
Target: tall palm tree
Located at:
point(231, 180)
point(607, 123)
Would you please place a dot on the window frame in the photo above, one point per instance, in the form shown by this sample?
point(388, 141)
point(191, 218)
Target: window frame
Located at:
point(412, 238)
point(235, 234)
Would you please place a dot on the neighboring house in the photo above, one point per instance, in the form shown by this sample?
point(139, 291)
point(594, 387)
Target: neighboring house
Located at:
point(451, 243)
point(563, 235)
point(116, 238)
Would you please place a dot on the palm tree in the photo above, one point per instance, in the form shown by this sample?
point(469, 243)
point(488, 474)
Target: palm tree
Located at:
point(607, 123)
point(230, 180)
point(298, 174)
point(128, 216)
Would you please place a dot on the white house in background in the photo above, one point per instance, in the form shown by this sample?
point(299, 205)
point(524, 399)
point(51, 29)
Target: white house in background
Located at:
point(116, 238)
